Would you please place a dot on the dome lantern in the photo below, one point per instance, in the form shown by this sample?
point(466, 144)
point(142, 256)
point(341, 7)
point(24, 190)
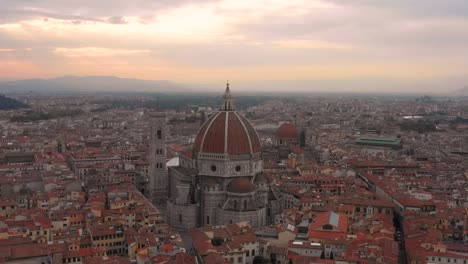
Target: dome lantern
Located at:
point(228, 100)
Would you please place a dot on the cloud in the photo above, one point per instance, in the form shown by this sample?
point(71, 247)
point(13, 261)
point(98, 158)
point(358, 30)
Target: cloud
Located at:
point(88, 10)
point(311, 44)
point(413, 8)
point(12, 50)
point(117, 20)
point(250, 40)
point(86, 52)
point(12, 15)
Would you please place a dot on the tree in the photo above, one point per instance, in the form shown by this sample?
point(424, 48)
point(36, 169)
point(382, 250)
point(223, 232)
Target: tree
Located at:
point(7, 103)
point(302, 139)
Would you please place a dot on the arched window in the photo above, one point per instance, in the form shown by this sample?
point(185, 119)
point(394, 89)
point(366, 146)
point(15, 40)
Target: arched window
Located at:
point(207, 220)
point(180, 218)
point(245, 204)
point(235, 204)
point(159, 134)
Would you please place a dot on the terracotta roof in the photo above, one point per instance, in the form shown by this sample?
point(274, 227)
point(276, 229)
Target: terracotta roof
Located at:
point(188, 153)
point(227, 132)
point(184, 258)
point(215, 258)
point(338, 222)
point(297, 150)
point(287, 131)
point(240, 185)
point(278, 250)
point(176, 148)
point(32, 250)
point(167, 247)
point(201, 242)
point(106, 260)
point(7, 203)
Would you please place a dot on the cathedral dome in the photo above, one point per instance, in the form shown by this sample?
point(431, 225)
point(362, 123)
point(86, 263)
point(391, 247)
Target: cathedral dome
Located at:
point(227, 132)
point(287, 131)
point(240, 185)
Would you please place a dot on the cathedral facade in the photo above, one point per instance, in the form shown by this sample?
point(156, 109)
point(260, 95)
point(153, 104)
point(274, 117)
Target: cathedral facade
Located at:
point(219, 181)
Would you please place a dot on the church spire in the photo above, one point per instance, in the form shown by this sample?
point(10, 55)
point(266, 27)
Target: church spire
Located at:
point(228, 101)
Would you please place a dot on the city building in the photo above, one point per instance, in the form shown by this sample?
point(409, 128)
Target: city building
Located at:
point(220, 181)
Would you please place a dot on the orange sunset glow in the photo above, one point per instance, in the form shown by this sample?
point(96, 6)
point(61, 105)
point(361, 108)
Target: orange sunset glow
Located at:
point(203, 42)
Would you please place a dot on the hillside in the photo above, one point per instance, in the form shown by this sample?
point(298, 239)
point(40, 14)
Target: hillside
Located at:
point(7, 103)
point(73, 84)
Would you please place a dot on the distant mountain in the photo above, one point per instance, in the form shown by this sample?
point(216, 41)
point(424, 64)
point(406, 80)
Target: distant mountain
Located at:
point(7, 103)
point(72, 84)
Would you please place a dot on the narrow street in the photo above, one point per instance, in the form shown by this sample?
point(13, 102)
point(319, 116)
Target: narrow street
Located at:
point(399, 237)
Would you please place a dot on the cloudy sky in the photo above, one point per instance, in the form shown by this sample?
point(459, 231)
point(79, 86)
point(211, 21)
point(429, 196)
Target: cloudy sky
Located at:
point(327, 45)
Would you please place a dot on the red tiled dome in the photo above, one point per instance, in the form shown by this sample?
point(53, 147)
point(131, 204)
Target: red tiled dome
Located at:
point(287, 131)
point(240, 185)
point(227, 132)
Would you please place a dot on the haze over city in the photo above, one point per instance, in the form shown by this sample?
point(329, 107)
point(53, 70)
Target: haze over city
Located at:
point(298, 45)
point(234, 132)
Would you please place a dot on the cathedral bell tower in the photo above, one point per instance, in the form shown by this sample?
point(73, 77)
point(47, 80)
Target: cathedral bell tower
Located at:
point(157, 188)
